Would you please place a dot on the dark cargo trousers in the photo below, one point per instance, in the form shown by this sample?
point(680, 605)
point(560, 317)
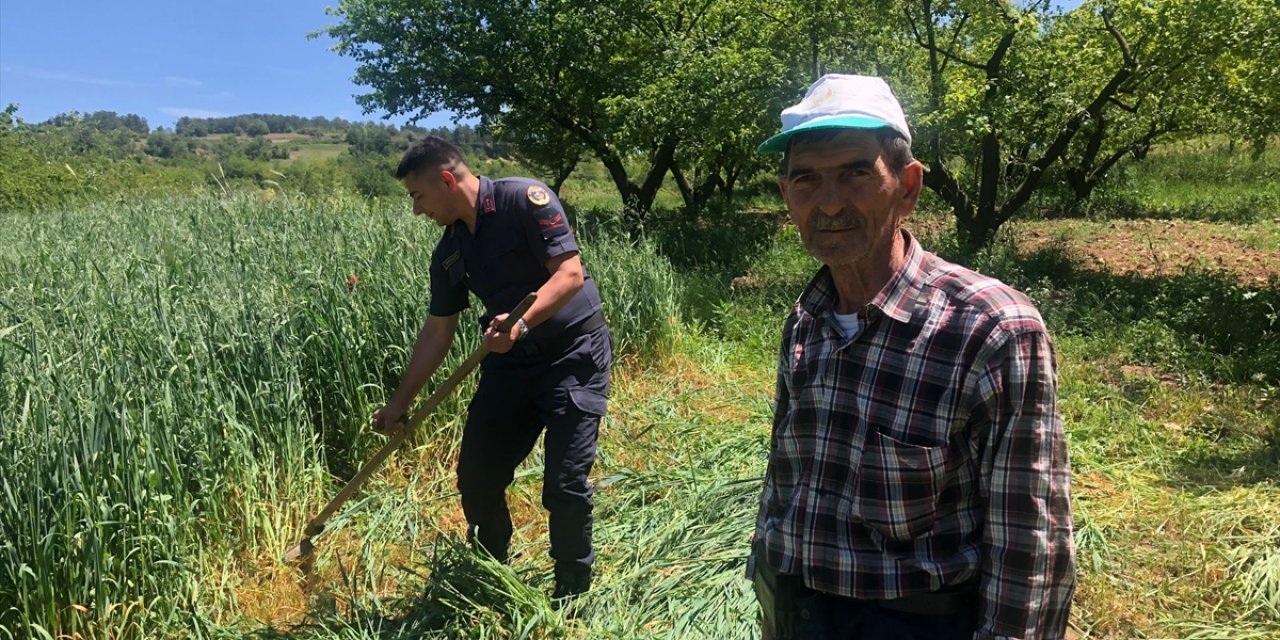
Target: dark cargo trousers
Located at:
point(520, 393)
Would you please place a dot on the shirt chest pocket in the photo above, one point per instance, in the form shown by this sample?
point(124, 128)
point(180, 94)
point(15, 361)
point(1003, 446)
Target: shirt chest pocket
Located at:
point(454, 268)
point(896, 487)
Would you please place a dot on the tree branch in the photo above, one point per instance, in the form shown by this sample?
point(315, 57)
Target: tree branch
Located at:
point(1124, 107)
point(955, 35)
point(1120, 39)
point(941, 181)
point(1059, 145)
point(950, 56)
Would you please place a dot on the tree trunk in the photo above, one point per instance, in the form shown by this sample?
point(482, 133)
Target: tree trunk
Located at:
point(637, 200)
point(563, 173)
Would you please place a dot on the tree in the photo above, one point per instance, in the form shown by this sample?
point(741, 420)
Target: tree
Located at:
point(260, 149)
point(616, 77)
point(135, 123)
point(256, 127)
point(165, 144)
point(192, 127)
point(1178, 70)
point(369, 140)
point(553, 151)
point(1246, 78)
point(1011, 89)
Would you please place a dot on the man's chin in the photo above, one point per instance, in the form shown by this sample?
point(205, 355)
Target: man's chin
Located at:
point(833, 256)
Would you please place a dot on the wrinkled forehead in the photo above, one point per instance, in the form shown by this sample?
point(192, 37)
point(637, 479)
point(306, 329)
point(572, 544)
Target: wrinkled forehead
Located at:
point(832, 146)
point(820, 140)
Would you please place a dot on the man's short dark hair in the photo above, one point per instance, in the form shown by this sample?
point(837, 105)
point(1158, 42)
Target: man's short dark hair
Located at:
point(429, 152)
point(896, 149)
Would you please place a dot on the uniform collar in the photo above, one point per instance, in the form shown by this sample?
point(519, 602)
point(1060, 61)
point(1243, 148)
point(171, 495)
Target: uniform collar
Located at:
point(896, 300)
point(485, 203)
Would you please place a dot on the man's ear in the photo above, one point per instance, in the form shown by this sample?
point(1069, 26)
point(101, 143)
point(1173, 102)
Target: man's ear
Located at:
point(912, 178)
point(450, 180)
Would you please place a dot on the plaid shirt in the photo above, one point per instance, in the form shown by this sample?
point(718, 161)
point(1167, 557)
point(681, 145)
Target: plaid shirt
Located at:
point(924, 451)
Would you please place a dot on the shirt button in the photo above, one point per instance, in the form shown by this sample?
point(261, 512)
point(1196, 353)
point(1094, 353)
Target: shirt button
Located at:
point(804, 613)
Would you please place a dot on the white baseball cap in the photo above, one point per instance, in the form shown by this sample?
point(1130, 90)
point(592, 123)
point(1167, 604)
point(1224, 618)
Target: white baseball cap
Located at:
point(838, 101)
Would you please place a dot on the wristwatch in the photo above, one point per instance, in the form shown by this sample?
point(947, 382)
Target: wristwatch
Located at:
point(524, 329)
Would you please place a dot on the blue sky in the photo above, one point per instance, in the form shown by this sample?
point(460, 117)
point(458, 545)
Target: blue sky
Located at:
point(166, 59)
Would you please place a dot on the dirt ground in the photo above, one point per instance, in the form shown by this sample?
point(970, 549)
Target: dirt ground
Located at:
point(1156, 247)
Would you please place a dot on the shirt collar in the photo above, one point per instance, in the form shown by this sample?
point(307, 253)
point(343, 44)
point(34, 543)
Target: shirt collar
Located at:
point(484, 198)
point(897, 299)
point(484, 204)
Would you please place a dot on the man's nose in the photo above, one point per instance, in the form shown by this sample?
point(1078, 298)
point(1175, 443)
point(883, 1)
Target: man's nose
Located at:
point(830, 200)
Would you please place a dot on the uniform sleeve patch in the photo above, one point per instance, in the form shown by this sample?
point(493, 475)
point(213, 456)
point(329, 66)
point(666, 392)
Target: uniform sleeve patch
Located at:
point(538, 195)
point(551, 222)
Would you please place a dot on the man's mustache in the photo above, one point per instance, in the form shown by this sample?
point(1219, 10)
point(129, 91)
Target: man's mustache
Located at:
point(846, 219)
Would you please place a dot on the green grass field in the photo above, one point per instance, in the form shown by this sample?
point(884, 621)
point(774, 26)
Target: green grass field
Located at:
point(1201, 179)
point(319, 151)
point(184, 381)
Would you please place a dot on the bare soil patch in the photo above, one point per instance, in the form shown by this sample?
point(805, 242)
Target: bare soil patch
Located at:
point(1146, 247)
point(1161, 247)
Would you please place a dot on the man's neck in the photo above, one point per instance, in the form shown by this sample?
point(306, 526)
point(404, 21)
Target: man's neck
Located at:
point(470, 194)
point(857, 284)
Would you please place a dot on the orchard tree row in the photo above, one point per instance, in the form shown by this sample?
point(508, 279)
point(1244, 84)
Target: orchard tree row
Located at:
point(1004, 96)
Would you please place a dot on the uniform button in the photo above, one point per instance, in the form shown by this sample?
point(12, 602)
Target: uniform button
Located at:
point(804, 613)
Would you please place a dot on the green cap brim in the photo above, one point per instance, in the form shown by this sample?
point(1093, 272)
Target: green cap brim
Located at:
point(778, 143)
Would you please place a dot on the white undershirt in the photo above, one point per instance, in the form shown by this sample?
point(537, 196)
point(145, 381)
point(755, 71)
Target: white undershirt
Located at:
point(849, 324)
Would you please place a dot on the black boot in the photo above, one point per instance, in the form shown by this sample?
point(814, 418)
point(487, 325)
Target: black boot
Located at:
point(571, 582)
point(501, 553)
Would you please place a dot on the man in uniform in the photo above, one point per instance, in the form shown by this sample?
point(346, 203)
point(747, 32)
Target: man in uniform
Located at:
point(503, 239)
point(918, 483)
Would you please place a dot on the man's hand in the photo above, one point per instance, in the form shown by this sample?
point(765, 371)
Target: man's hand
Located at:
point(391, 419)
point(497, 341)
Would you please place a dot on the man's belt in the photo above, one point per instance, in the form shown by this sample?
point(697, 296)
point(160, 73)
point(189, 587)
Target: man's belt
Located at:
point(958, 599)
point(590, 324)
point(566, 336)
point(778, 595)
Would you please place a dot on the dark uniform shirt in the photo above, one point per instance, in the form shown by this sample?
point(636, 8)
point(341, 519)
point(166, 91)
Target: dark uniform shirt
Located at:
point(520, 226)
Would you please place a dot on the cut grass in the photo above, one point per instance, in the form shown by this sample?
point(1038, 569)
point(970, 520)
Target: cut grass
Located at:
point(1157, 524)
point(1169, 546)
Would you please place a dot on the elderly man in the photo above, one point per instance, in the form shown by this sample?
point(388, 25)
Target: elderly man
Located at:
point(918, 484)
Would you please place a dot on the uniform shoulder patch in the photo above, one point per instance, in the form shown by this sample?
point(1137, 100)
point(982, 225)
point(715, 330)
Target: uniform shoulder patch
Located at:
point(538, 195)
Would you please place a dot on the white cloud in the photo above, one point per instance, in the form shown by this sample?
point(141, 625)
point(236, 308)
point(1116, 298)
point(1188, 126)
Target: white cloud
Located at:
point(45, 74)
point(184, 112)
point(179, 81)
